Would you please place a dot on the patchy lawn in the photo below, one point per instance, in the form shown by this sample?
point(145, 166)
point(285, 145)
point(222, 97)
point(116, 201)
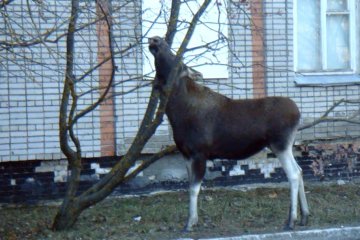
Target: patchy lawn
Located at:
point(162, 216)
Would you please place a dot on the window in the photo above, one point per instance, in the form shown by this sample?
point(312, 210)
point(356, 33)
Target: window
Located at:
point(210, 50)
point(325, 37)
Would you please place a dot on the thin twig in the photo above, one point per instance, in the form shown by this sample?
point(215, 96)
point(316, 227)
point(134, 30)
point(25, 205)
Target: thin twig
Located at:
point(111, 79)
point(325, 118)
point(147, 162)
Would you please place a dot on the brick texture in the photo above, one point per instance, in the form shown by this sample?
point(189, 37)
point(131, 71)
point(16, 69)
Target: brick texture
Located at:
point(107, 114)
point(257, 32)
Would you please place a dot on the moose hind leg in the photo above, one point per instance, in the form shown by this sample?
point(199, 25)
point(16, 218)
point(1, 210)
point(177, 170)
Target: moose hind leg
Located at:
point(304, 207)
point(196, 172)
point(293, 173)
point(303, 202)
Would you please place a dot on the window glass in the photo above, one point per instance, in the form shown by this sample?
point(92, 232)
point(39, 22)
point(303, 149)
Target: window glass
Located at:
point(337, 5)
point(210, 50)
point(309, 35)
point(338, 50)
point(325, 36)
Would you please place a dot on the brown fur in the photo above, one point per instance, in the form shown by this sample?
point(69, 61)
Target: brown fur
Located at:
point(208, 125)
point(219, 127)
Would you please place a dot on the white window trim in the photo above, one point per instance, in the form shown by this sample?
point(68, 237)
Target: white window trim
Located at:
point(329, 77)
point(326, 80)
point(353, 33)
point(323, 30)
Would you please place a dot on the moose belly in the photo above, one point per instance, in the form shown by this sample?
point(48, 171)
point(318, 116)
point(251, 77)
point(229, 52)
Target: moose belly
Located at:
point(236, 149)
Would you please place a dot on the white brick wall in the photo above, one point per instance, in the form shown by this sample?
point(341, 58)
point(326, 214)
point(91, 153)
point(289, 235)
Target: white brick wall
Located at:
point(240, 55)
point(30, 90)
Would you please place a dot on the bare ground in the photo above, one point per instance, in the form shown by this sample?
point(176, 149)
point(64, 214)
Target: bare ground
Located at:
point(225, 212)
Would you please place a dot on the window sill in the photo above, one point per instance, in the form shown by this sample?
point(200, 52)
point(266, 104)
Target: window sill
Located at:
point(327, 80)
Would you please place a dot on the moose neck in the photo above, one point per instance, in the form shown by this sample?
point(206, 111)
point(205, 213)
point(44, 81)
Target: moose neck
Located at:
point(182, 92)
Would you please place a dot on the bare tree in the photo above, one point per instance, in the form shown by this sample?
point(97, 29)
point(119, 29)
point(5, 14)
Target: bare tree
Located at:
point(73, 205)
point(70, 112)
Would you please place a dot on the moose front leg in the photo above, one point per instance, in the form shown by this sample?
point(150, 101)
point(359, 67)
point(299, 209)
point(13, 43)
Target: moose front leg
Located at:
point(193, 205)
point(196, 172)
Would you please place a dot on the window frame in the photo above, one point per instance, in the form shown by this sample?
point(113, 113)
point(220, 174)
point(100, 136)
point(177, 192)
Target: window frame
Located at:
point(337, 77)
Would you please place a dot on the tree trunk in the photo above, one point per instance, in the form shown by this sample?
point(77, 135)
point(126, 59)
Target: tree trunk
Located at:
point(67, 215)
point(68, 212)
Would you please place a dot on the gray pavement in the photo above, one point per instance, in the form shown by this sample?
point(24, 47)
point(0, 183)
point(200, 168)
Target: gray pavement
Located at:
point(343, 233)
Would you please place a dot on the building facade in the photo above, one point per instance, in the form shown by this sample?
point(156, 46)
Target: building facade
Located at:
point(308, 51)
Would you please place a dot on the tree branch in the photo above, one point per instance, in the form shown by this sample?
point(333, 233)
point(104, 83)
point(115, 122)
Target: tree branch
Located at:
point(44, 36)
point(4, 3)
point(325, 118)
point(69, 80)
point(167, 151)
point(111, 80)
point(91, 70)
point(174, 16)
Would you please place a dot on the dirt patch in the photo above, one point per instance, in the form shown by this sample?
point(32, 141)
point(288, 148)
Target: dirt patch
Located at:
point(162, 216)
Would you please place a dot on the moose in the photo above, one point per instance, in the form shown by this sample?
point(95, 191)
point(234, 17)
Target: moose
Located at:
point(208, 125)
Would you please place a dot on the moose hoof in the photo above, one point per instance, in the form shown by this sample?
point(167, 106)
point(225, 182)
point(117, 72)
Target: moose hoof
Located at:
point(187, 229)
point(304, 220)
point(190, 224)
point(289, 226)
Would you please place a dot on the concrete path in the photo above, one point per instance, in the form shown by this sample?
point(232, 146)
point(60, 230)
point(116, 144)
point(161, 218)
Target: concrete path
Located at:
point(344, 233)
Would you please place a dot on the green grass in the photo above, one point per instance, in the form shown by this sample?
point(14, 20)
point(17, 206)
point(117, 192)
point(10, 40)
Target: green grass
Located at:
point(221, 212)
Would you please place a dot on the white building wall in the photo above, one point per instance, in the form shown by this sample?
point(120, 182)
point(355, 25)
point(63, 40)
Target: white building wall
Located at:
point(240, 50)
point(31, 79)
point(30, 89)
